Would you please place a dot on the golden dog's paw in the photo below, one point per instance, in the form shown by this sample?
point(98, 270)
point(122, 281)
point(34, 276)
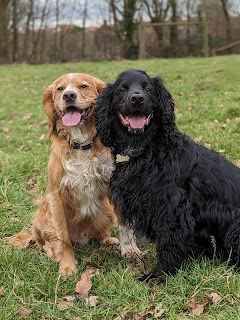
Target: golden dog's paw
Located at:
point(110, 240)
point(67, 269)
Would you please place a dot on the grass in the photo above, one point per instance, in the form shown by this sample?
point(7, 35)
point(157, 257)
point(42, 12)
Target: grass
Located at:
point(207, 96)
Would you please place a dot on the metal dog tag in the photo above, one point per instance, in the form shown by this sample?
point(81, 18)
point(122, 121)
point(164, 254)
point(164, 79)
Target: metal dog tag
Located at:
point(120, 158)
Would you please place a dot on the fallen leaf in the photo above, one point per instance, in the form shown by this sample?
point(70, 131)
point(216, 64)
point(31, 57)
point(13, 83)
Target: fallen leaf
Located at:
point(92, 300)
point(199, 138)
point(83, 286)
point(13, 116)
point(197, 309)
point(214, 297)
point(158, 312)
point(64, 305)
point(69, 298)
point(2, 295)
point(146, 312)
point(5, 130)
point(207, 145)
point(76, 318)
point(42, 137)
point(24, 312)
point(192, 303)
point(238, 163)
point(221, 150)
point(91, 272)
point(192, 94)
point(44, 122)
point(21, 240)
point(27, 116)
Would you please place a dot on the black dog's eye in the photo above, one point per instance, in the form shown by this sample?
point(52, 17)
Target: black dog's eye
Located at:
point(83, 86)
point(121, 90)
point(60, 88)
point(148, 89)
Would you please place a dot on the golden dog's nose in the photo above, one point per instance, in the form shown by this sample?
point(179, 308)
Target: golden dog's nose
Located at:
point(69, 95)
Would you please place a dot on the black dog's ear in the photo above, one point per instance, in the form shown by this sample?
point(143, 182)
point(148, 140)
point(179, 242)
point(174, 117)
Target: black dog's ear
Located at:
point(103, 120)
point(165, 116)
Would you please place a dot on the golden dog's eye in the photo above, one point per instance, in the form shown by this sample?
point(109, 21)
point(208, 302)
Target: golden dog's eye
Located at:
point(121, 90)
point(83, 86)
point(148, 89)
point(60, 88)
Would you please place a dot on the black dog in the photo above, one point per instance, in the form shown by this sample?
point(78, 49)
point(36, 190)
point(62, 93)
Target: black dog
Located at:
point(169, 188)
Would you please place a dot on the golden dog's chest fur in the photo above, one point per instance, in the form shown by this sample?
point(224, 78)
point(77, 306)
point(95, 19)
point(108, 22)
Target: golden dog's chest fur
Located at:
point(88, 178)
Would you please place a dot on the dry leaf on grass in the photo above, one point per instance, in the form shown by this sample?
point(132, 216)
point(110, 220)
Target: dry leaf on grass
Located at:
point(27, 116)
point(76, 318)
point(24, 312)
point(238, 163)
point(214, 297)
point(197, 309)
point(5, 130)
point(21, 240)
point(83, 286)
point(158, 312)
point(92, 300)
point(64, 305)
point(42, 137)
point(2, 295)
point(198, 139)
point(146, 312)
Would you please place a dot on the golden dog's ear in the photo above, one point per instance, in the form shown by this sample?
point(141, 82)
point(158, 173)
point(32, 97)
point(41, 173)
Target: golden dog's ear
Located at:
point(99, 85)
point(49, 108)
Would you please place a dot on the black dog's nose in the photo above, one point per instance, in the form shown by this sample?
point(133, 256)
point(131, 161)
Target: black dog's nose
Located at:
point(136, 98)
point(69, 95)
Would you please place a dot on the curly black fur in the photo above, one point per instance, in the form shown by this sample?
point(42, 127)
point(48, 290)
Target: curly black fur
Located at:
point(175, 192)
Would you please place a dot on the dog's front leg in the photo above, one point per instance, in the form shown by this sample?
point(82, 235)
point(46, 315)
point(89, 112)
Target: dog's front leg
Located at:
point(64, 250)
point(174, 241)
point(128, 246)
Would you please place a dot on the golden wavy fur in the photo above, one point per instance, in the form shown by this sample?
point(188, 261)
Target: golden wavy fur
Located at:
point(76, 206)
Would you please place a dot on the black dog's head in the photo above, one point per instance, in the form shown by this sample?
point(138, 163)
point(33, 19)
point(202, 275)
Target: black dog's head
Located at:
point(133, 107)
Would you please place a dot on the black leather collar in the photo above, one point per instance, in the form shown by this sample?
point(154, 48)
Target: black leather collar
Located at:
point(83, 146)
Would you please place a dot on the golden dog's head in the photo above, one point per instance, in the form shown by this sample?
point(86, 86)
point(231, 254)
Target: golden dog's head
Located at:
point(70, 100)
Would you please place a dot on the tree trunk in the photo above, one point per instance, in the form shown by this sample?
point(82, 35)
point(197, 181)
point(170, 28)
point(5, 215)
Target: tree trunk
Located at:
point(226, 14)
point(84, 28)
point(14, 30)
point(4, 22)
point(26, 35)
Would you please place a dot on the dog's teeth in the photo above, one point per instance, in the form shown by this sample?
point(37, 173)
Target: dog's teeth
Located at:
point(129, 129)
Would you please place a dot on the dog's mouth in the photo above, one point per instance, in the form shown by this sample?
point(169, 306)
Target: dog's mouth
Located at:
point(72, 116)
point(135, 122)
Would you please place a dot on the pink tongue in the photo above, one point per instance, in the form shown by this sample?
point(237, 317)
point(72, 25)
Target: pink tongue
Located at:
point(137, 122)
point(72, 118)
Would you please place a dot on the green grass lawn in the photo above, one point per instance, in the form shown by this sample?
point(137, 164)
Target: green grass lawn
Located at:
point(207, 96)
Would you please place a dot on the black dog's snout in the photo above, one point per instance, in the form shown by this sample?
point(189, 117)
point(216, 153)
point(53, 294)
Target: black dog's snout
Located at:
point(136, 98)
point(69, 95)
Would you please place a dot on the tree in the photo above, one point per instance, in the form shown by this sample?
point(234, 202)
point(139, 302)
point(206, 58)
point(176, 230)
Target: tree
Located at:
point(4, 32)
point(157, 11)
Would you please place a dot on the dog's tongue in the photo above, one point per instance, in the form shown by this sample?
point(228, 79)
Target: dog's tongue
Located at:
point(137, 121)
point(72, 117)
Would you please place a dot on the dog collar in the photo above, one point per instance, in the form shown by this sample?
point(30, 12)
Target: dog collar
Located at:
point(83, 146)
